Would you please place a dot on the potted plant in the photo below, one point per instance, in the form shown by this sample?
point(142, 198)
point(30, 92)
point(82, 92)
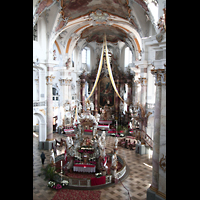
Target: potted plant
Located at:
point(49, 172)
point(125, 128)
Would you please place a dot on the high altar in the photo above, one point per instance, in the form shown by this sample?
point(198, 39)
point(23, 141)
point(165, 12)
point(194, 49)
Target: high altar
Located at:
point(105, 99)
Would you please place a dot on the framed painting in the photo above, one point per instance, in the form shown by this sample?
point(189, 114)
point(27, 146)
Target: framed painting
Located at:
point(105, 92)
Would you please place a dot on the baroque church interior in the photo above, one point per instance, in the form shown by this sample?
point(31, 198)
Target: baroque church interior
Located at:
point(99, 99)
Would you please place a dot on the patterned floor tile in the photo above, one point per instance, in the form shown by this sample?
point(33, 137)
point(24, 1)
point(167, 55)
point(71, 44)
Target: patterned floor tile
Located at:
point(137, 182)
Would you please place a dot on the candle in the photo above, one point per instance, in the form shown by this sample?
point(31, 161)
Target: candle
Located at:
point(61, 163)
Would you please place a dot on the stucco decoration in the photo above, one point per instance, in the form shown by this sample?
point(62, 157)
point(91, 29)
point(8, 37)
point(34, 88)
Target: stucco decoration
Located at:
point(95, 33)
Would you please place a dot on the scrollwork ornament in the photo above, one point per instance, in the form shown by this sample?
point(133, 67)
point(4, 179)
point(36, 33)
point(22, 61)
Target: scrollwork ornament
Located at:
point(163, 163)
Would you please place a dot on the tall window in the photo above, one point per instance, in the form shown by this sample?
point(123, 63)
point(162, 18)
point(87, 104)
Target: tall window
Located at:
point(128, 57)
point(35, 32)
point(84, 56)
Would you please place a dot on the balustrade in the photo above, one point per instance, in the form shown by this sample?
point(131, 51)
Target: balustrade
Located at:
point(39, 103)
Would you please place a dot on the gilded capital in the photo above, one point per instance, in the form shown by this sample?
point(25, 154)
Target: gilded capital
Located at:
point(143, 81)
point(49, 79)
point(160, 76)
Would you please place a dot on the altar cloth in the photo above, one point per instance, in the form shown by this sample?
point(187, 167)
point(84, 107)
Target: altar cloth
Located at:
point(68, 130)
point(105, 122)
point(84, 168)
point(98, 181)
point(103, 126)
point(87, 130)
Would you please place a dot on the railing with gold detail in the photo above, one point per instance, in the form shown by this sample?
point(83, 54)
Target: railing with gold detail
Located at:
point(148, 140)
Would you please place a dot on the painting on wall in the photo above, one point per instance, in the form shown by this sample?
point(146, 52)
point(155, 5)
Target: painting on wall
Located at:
point(106, 92)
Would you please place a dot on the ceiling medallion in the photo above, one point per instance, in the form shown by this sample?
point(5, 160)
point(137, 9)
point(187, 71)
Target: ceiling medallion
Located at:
point(99, 16)
point(163, 163)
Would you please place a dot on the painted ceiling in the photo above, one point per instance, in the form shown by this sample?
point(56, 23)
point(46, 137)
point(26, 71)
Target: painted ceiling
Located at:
point(115, 18)
point(72, 9)
point(95, 33)
point(77, 8)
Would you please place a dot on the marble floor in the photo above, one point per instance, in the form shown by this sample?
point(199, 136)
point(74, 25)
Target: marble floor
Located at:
point(137, 182)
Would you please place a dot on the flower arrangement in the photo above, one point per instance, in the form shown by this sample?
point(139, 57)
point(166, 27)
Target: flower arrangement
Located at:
point(98, 175)
point(85, 151)
point(58, 186)
point(51, 184)
point(92, 162)
point(64, 182)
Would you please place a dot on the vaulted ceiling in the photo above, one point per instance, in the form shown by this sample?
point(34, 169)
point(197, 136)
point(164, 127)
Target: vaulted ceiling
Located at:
point(121, 20)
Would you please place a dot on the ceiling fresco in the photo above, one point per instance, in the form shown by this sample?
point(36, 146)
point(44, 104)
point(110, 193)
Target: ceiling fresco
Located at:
point(77, 8)
point(95, 33)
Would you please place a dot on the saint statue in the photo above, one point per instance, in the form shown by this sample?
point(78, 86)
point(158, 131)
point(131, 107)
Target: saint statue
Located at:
point(114, 160)
point(52, 158)
point(116, 142)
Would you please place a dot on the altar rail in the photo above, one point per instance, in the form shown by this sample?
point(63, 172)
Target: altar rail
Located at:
point(148, 140)
point(122, 171)
point(86, 182)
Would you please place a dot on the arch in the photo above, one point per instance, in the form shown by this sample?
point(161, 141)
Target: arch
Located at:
point(58, 47)
point(42, 125)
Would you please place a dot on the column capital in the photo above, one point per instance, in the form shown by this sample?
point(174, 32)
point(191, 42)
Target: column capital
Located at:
point(143, 81)
point(160, 75)
point(68, 82)
point(49, 79)
point(78, 82)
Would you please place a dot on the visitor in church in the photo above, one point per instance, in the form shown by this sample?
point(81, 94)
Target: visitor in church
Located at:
point(126, 142)
point(43, 157)
point(54, 149)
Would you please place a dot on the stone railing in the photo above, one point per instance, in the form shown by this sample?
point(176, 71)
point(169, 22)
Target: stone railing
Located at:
point(39, 103)
point(86, 182)
point(122, 171)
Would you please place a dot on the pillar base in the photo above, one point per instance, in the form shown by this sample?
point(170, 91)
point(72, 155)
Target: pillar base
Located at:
point(152, 195)
point(46, 145)
point(49, 137)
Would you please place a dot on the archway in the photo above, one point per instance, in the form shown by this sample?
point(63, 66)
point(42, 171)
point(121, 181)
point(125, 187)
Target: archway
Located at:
point(42, 126)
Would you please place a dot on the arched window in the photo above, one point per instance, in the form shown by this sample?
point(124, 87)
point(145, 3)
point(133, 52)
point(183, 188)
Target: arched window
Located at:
point(127, 57)
point(55, 94)
point(86, 58)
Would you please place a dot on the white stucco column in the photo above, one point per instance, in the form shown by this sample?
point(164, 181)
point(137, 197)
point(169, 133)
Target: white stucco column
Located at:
point(42, 85)
point(143, 94)
point(69, 90)
point(158, 185)
point(162, 152)
point(49, 79)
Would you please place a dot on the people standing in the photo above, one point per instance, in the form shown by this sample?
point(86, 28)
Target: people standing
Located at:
point(43, 157)
point(54, 149)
